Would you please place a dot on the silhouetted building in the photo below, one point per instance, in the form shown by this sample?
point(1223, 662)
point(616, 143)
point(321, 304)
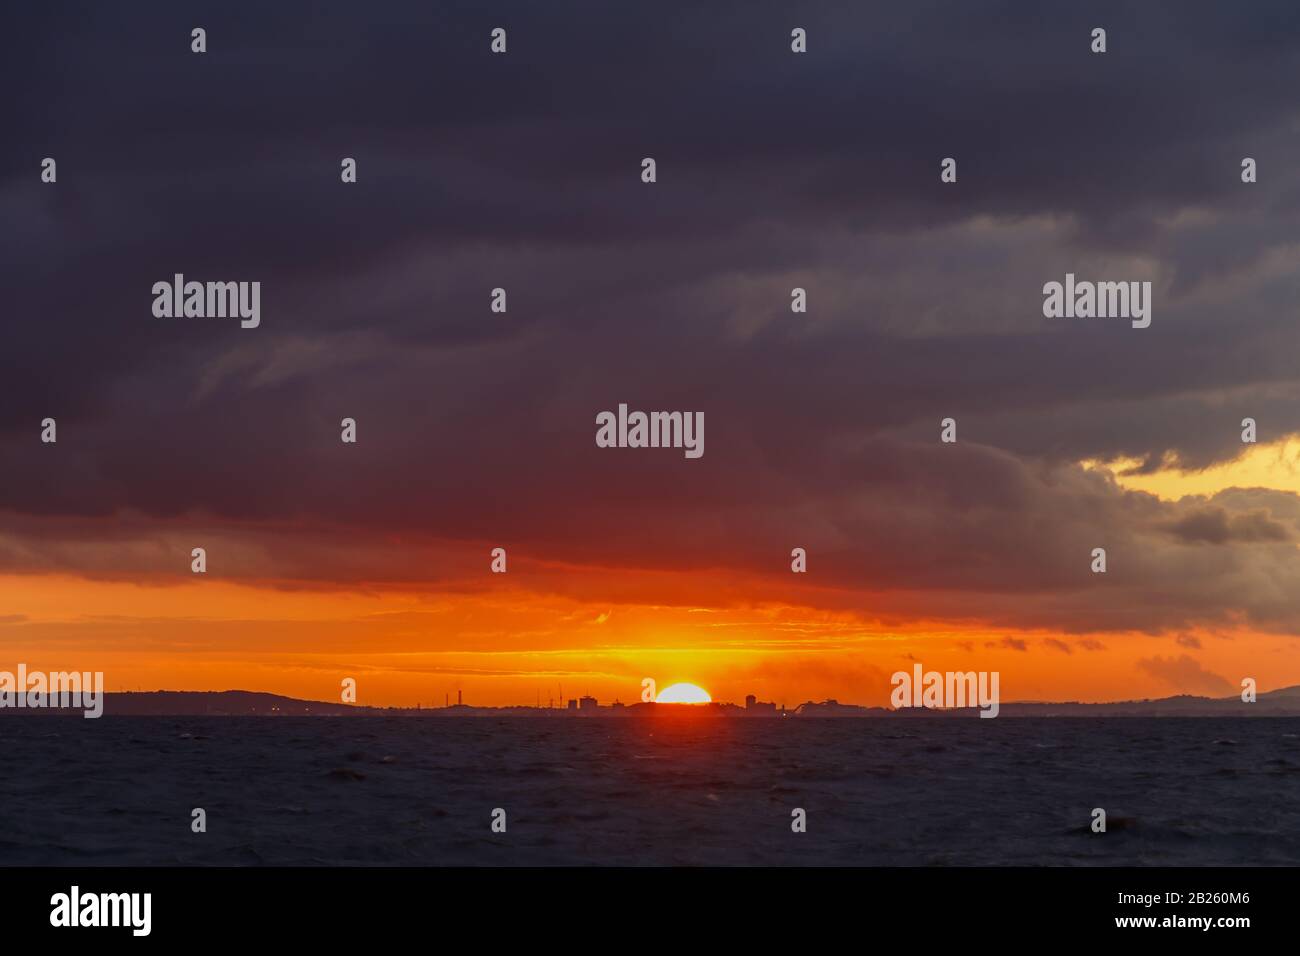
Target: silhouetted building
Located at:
point(573, 705)
point(753, 704)
point(588, 703)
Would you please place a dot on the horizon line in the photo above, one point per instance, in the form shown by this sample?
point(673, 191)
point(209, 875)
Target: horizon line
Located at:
point(562, 705)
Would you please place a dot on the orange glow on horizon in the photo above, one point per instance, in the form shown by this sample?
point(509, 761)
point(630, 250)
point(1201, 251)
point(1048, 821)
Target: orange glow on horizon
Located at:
point(522, 647)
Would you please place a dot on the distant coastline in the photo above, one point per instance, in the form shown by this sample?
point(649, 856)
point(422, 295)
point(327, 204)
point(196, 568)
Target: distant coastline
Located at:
point(1284, 702)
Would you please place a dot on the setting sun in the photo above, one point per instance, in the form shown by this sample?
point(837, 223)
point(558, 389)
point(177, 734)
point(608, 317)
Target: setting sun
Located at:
point(683, 694)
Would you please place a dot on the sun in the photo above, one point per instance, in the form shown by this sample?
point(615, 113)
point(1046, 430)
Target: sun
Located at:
point(683, 693)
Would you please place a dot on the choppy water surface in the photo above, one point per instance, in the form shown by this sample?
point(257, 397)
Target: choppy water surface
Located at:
point(420, 791)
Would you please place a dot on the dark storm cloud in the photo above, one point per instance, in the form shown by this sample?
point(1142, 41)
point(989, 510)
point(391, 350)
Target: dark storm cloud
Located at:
point(1216, 526)
point(775, 170)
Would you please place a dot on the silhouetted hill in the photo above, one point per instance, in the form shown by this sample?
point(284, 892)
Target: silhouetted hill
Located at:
point(224, 703)
point(1284, 702)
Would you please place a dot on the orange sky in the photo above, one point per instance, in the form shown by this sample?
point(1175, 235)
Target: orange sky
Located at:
point(520, 637)
point(512, 646)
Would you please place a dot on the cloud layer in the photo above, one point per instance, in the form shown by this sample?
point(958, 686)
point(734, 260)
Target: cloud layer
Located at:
point(775, 170)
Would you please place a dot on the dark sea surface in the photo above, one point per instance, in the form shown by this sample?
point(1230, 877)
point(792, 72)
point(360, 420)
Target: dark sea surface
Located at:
point(653, 791)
